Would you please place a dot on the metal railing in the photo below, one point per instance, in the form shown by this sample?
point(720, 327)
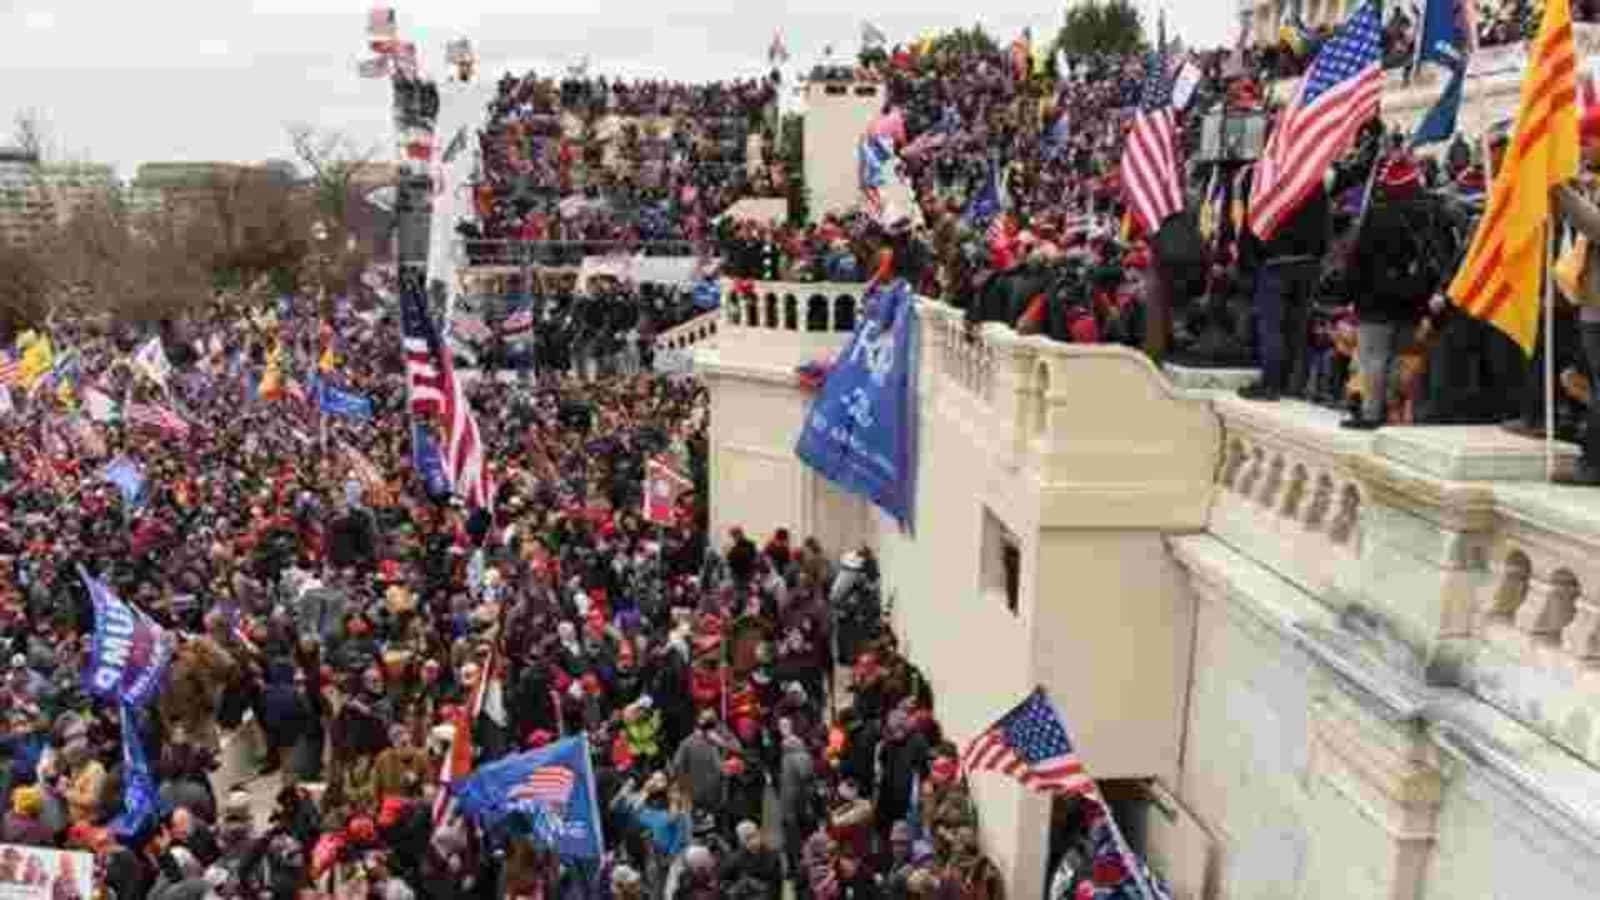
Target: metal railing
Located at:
point(562, 253)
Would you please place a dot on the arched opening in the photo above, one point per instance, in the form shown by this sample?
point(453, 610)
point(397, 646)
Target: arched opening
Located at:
point(791, 312)
point(844, 313)
point(817, 313)
point(770, 301)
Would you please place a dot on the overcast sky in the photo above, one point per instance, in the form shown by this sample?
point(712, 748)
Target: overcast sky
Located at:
point(128, 82)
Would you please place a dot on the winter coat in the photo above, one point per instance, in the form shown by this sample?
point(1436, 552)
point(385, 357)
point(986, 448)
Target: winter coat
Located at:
point(796, 782)
point(698, 763)
point(1391, 278)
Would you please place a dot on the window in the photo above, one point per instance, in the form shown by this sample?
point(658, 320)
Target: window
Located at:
point(1002, 564)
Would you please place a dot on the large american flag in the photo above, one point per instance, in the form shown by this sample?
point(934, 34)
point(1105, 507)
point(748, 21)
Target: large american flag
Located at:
point(1030, 744)
point(1150, 175)
point(435, 390)
point(1338, 96)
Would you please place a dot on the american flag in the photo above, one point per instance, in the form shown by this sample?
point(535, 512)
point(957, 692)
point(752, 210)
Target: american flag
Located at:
point(156, 416)
point(1030, 744)
point(518, 322)
point(550, 786)
point(469, 327)
point(1150, 178)
point(10, 370)
point(1338, 96)
point(434, 389)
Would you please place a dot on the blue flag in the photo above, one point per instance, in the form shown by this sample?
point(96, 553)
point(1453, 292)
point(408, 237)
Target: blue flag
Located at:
point(707, 294)
point(859, 432)
point(426, 460)
point(548, 794)
point(338, 402)
point(987, 203)
point(1443, 36)
point(129, 653)
point(1440, 122)
point(140, 802)
point(128, 477)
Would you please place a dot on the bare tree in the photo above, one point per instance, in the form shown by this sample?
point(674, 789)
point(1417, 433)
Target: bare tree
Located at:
point(30, 134)
point(336, 161)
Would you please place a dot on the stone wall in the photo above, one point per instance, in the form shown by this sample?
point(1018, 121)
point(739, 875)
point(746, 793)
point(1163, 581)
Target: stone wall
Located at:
point(1348, 665)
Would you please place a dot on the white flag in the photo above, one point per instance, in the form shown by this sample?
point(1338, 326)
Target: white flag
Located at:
point(1183, 87)
point(151, 359)
point(99, 406)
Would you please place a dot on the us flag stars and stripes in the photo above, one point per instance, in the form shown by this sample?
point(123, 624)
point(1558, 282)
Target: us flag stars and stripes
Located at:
point(1030, 744)
point(1150, 170)
point(435, 391)
point(1338, 96)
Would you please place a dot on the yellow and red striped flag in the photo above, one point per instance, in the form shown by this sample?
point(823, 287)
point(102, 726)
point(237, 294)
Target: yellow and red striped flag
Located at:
point(1499, 281)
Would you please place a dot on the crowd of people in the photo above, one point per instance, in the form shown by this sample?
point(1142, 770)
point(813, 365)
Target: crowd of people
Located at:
point(580, 160)
point(753, 723)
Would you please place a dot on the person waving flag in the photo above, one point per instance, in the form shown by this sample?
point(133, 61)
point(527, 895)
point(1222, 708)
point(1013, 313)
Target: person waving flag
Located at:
point(1150, 178)
point(1338, 96)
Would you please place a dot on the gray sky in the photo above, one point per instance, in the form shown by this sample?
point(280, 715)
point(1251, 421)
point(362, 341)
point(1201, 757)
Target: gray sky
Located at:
point(124, 83)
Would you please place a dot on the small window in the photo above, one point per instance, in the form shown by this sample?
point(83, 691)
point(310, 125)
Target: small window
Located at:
point(1002, 564)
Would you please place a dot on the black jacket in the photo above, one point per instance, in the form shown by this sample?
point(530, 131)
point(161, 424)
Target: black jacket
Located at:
point(1390, 276)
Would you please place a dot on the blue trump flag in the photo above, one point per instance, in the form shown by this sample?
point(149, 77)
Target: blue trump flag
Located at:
point(988, 202)
point(547, 794)
point(1443, 37)
point(128, 477)
point(859, 433)
point(128, 654)
point(429, 464)
point(140, 802)
point(338, 402)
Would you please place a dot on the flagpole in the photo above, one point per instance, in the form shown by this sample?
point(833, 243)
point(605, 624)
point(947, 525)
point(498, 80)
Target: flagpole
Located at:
point(1134, 864)
point(1549, 354)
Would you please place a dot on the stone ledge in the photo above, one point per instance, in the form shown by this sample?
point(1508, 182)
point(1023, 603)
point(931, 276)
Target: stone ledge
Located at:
point(1198, 379)
point(1471, 452)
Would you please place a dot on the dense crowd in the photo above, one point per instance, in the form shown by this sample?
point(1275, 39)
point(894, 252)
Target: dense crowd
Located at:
point(753, 724)
point(590, 160)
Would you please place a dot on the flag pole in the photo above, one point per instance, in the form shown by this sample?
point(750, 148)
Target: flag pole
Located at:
point(1134, 864)
point(1549, 353)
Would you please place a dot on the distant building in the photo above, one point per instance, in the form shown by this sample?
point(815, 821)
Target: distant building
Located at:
point(182, 185)
point(35, 195)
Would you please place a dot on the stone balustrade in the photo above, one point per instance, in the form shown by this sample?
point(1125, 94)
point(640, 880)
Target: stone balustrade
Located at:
point(794, 307)
point(687, 335)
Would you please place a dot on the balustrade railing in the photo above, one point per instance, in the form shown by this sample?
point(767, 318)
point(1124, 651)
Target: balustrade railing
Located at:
point(794, 307)
point(687, 335)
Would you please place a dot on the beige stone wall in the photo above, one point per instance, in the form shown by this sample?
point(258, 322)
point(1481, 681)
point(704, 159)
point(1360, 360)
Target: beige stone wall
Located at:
point(1317, 645)
point(836, 117)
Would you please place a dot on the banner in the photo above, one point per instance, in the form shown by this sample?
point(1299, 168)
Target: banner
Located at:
point(151, 359)
point(426, 460)
point(129, 655)
point(337, 402)
point(548, 793)
point(41, 873)
point(128, 477)
point(859, 433)
point(140, 803)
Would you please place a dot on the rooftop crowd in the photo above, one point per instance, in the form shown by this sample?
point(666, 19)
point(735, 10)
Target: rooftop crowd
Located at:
point(613, 162)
